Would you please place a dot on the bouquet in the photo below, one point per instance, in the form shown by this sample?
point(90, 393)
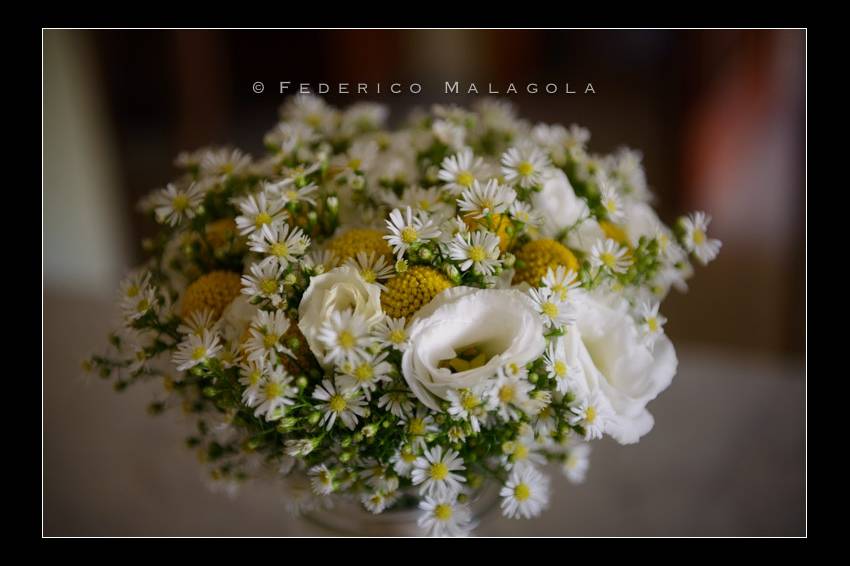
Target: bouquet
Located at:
point(400, 317)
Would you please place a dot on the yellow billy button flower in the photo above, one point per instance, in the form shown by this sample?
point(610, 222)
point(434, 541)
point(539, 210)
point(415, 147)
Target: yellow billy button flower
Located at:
point(497, 223)
point(348, 244)
point(615, 232)
point(213, 291)
point(409, 291)
point(537, 257)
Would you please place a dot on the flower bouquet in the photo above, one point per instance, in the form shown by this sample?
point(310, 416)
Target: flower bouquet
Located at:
point(400, 317)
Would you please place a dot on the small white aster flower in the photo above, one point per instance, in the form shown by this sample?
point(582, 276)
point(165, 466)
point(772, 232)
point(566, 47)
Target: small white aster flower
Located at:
point(391, 333)
point(453, 227)
point(468, 405)
point(523, 212)
point(491, 198)
point(408, 229)
point(140, 305)
point(288, 137)
point(402, 461)
point(290, 194)
point(372, 267)
point(426, 200)
point(133, 285)
point(460, 170)
point(345, 336)
point(554, 312)
point(610, 255)
point(266, 281)
point(478, 250)
point(524, 165)
point(276, 392)
point(592, 414)
point(366, 374)
point(696, 239)
point(172, 205)
point(224, 162)
point(612, 203)
point(418, 426)
point(319, 261)
point(508, 394)
point(559, 368)
point(434, 472)
point(651, 321)
point(196, 350)
point(310, 110)
point(576, 462)
point(300, 447)
point(257, 212)
point(198, 321)
point(525, 494)
point(562, 281)
point(445, 517)
point(266, 331)
point(281, 244)
point(321, 480)
point(346, 406)
point(450, 134)
point(251, 376)
point(524, 450)
point(398, 403)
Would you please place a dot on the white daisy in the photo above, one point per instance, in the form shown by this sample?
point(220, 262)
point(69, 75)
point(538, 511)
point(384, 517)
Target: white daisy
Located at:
point(651, 321)
point(310, 110)
point(398, 403)
point(445, 517)
point(558, 368)
point(407, 230)
point(524, 450)
point(363, 117)
point(196, 350)
point(524, 165)
point(319, 261)
point(337, 404)
point(377, 501)
point(525, 213)
point(525, 494)
point(418, 426)
point(140, 304)
point(321, 480)
point(452, 228)
point(276, 392)
point(391, 333)
point(460, 170)
point(172, 205)
point(290, 194)
point(279, 243)
point(359, 157)
point(434, 472)
point(134, 285)
point(266, 281)
point(251, 376)
point(224, 162)
point(198, 321)
point(366, 374)
point(287, 137)
point(468, 405)
point(450, 134)
point(480, 200)
point(266, 331)
point(508, 395)
point(372, 267)
point(478, 250)
point(402, 461)
point(611, 202)
point(696, 239)
point(576, 463)
point(427, 200)
point(554, 312)
point(562, 281)
point(345, 337)
point(591, 414)
point(257, 212)
point(610, 255)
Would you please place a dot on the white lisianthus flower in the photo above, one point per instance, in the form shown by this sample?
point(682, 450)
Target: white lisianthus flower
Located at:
point(557, 203)
point(500, 323)
point(337, 290)
point(616, 363)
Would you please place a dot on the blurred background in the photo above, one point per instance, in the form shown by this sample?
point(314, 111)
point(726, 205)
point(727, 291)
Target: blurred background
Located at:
point(720, 119)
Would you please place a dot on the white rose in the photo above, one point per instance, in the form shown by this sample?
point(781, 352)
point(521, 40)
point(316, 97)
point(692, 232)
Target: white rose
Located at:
point(236, 318)
point(614, 360)
point(557, 203)
point(337, 290)
point(500, 322)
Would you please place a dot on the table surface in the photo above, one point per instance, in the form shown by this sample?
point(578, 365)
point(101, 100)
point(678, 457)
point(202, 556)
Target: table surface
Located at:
point(726, 457)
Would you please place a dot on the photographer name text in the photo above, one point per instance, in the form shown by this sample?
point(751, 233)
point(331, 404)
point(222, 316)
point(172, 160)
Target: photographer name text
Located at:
point(415, 88)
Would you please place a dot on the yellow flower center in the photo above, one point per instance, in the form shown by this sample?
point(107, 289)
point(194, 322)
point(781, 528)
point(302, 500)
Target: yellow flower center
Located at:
point(180, 203)
point(443, 512)
point(213, 291)
point(477, 253)
point(465, 179)
point(550, 309)
point(590, 415)
point(608, 259)
point(261, 219)
point(416, 427)
point(409, 291)
point(525, 168)
point(699, 237)
point(538, 256)
point(268, 286)
point(652, 323)
point(132, 291)
point(337, 403)
point(560, 368)
point(254, 377)
point(368, 276)
point(506, 394)
point(409, 235)
point(520, 452)
point(314, 119)
point(397, 336)
point(143, 305)
point(355, 164)
point(347, 245)
point(346, 339)
point(280, 249)
point(364, 372)
point(522, 492)
point(199, 353)
point(469, 402)
point(270, 340)
point(439, 471)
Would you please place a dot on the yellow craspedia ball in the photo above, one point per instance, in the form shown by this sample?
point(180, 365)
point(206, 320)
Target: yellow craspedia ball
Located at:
point(615, 232)
point(408, 292)
point(213, 291)
point(538, 256)
point(349, 243)
point(497, 223)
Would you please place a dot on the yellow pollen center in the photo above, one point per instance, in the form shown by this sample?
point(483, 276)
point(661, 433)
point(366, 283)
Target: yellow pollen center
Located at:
point(409, 235)
point(521, 452)
point(477, 253)
point(443, 512)
point(180, 203)
point(652, 323)
point(364, 372)
point(397, 336)
point(262, 218)
point(254, 377)
point(273, 390)
point(417, 427)
point(133, 291)
point(143, 305)
point(506, 394)
point(611, 205)
point(525, 168)
point(522, 492)
point(590, 415)
point(355, 164)
point(337, 404)
point(550, 309)
point(560, 368)
point(608, 259)
point(368, 276)
point(268, 286)
point(346, 339)
point(469, 402)
point(270, 340)
point(280, 249)
point(439, 471)
point(199, 353)
point(699, 237)
point(408, 457)
point(465, 179)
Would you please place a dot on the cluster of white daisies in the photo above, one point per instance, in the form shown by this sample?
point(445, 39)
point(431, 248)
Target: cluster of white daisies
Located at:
point(406, 317)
